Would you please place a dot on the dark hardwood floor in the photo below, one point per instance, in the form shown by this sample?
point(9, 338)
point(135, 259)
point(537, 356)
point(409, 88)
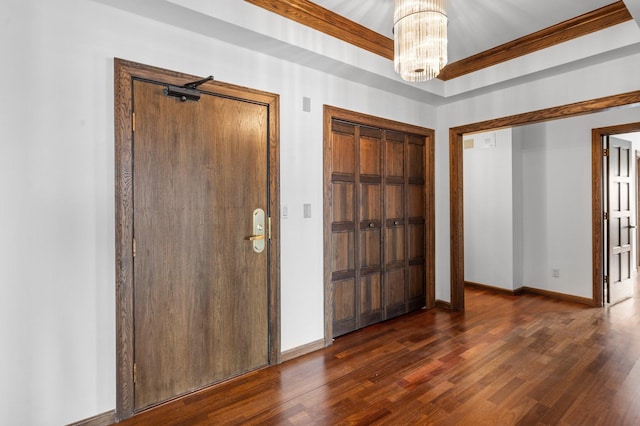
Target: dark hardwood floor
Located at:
point(523, 360)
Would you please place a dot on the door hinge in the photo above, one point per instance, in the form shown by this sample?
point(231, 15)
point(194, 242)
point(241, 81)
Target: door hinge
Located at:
point(605, 152)
point(606, 216)
point(269, 227)
point(133, 121)
point(606, 279)
point(135, 373)
point(134, 248)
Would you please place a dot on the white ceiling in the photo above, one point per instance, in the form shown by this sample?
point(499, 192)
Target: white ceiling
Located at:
point(474, 25)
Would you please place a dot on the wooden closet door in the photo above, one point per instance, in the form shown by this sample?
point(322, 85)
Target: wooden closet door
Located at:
point(377, 219)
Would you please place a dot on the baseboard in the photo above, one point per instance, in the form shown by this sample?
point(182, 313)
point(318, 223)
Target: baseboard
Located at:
point(302, 350)
point(103, 419)
point(530, 290)
point(494, 289)
point(559, 296)
point(441, 304)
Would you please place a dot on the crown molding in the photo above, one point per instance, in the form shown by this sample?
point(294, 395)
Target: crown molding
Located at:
point(599, 19)
point(317, 17)
point(310, 14)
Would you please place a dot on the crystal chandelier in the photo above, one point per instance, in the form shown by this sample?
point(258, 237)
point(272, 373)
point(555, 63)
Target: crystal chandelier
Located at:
point(420, 39)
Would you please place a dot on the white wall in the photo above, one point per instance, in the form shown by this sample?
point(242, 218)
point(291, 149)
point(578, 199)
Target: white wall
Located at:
point(57, 310)
point(556, 189)
point(488, 210)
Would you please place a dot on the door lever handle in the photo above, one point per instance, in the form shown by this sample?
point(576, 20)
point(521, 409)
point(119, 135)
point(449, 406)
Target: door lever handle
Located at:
point(632, 227)
point(259, 236)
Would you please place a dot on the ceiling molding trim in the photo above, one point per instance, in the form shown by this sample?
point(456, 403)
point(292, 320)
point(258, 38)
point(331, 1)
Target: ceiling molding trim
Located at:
point(310, 14)
point(599, 19)
point(554, 113)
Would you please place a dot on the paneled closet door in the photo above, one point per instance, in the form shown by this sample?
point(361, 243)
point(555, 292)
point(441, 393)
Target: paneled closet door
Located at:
point(377, 225)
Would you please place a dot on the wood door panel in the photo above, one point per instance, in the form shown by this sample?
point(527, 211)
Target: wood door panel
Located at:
point(343, 151)
point(394, 160)
point(416, 166)
point(394, 244)
point(416, 158)
point(371, 299)
point(396, 292)
point(344, 306)
point(342, 202)
point(343, 251)
point(199, 318)
point(370, 158)
point(416, 281)
point(370, 247)
point(416, 201)
point(416, 241)
point(394, 202)
point(370, 202)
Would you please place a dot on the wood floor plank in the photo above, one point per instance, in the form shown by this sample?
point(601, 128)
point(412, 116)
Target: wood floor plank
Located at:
point(507, 360)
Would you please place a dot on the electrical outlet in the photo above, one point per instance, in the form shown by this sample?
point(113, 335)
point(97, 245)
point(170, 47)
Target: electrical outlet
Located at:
point(555, 273)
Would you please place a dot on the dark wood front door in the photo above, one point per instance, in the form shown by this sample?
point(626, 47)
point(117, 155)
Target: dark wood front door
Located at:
point(200, 290)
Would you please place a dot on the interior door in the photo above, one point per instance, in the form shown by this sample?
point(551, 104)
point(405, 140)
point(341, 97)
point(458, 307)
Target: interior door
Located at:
point(621, 227)
point(200, 288)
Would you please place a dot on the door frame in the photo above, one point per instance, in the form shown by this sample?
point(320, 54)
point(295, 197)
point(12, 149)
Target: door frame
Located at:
point(599, 134)
point(124, 74)
point(331, 113)
point(548, 114)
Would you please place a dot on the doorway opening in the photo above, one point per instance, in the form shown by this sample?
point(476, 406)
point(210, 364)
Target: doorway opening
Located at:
point(457, 176)
point(521, 226)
